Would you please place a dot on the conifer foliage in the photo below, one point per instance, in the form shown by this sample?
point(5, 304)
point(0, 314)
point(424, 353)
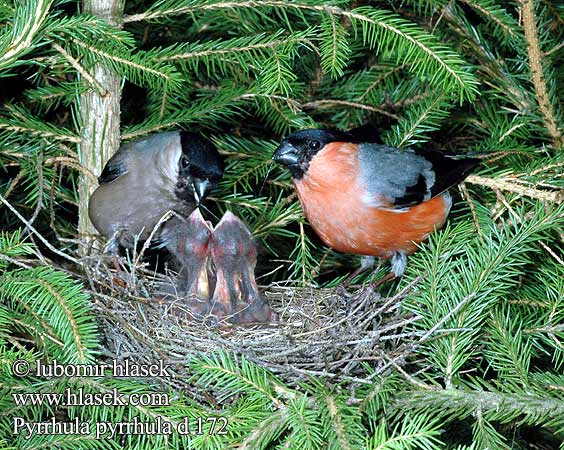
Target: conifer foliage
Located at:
point(479, 76)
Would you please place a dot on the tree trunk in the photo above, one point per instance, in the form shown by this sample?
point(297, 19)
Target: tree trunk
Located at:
point(100, 113)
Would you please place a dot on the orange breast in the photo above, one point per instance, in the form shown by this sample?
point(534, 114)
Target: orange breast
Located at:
point(331, 195)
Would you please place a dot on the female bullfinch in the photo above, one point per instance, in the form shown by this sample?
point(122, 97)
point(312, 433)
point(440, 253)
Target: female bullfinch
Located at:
point(172, 171)
point(370, 199)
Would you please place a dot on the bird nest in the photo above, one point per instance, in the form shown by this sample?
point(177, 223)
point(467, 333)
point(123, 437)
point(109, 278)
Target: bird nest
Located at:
point(320, 332)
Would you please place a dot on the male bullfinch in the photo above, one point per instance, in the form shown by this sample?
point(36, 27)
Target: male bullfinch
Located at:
point(370, 199)
point(172, 171)
point(236, 297)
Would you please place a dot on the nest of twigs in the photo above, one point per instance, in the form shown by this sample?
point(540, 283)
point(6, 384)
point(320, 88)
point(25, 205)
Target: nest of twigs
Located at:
point(320, 332)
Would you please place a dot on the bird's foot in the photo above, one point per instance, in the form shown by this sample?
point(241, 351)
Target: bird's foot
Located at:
point(366, 262)
point(388, 277)
point(122, 277)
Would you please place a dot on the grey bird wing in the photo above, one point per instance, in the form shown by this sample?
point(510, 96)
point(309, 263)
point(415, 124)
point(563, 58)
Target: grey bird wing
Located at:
point(149, 148)
point(398, 179)
point(138, 187)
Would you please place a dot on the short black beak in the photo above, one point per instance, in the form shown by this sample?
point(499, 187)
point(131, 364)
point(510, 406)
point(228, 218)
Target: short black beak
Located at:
point(286, 154)
point(202, 187)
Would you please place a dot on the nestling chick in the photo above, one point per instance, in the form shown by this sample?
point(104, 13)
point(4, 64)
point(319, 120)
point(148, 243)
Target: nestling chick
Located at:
point(369, 199)
point(172, 171)
point(188, 240)
point(236, 296)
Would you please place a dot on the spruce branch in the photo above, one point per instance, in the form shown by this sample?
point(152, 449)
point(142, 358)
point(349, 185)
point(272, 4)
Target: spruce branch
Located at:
point(59, 304)
point(277, 76)
point(17, 120)
point(497, 74)
point(382, 75)
point(329, 103)
point(338, 426)
point(411, 431)
point(421, 119)
point(509, 184)
point(234, 375)
point(36, 233)
point(13, 246)
point(513, 363)
point(335, 50)
point(18, 40)
point(497, 14)
point(483, 272)
point(444, 67)
point(49, 97)
point(253, 45)
point(497, 406)
point(210, 109)
point(305, 423)
point(537, 73)
point(267, 430)
point(70, 162)
point(81, 70)
point(138, 66)
point(485, 435)
point(302, 257)
point(342, 423)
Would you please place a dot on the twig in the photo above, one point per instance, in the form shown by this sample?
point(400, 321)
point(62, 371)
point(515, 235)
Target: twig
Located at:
point(14, 183)
point(81, 70)
point(535, 56)
point(413, 346)
point(41, 238)
point(329, 103)
point(147, 243)
point(407, 376)
point(344, 319)
point(468, 199)
point(392, 300)
point(71, 162)
point(505, 185)
point(552, 253)
point(15, 261)
point(39, 205)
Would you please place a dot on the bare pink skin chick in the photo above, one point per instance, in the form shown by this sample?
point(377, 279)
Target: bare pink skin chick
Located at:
point(189, 241)
point(236, 297)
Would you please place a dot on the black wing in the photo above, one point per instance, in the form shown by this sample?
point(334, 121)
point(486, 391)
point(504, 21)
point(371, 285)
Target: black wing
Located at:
point(450, 169)
point(114, 168)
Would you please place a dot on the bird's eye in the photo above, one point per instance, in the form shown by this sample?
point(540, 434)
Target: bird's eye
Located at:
point(184, 162)
point(314, 145)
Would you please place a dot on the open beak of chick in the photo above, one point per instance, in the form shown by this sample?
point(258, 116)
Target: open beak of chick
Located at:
point(236, 296)
point(217, 275)
point(188, 240)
